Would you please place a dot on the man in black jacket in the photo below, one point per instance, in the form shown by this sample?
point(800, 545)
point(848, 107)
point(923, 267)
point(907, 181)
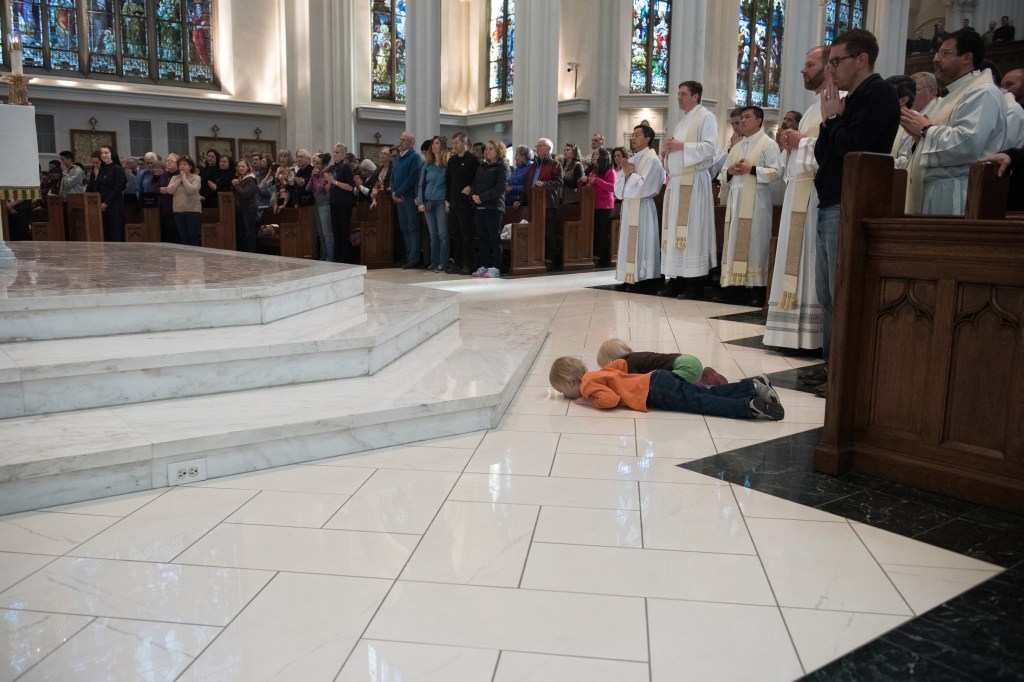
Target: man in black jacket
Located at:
point(458, 180)
point(865, 121)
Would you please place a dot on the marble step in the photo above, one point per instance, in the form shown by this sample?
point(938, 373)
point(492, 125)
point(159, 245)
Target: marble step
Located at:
point(459, 380)
point(77, 289)
point(352, 337)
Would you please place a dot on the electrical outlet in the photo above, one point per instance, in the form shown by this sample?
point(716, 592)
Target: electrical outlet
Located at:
point(186, 472)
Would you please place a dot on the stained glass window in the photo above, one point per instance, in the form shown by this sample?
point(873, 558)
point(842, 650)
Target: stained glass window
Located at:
point(841, 16)
point(648, 66)
point(501, 27)
point(387, 57)
point(156, 40)
point(759, 52)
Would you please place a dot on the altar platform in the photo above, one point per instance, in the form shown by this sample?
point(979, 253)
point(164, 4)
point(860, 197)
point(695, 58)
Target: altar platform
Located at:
point(118, 360)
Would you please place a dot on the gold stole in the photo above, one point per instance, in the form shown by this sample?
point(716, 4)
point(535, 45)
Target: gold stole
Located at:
point(685, 186)
point(802, 184)
point(915, 186)
point(736, 273)
point(631, 220)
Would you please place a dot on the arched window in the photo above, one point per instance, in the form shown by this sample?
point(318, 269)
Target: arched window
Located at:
point(387, 39)
point(841, 16)
point(648, 64)
point(501, 28)
point(759, 55)
point(155, 40)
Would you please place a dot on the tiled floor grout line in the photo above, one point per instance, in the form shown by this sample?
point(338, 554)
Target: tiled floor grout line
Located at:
point(212, 528)
point(913, 611)
point(29, 669)
point(337, 511)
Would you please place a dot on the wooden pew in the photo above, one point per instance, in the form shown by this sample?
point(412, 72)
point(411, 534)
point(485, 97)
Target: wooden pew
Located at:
point(577, 223)
point(143, 225)
point(926, 375)
point(54, 228)
point(85, 219)
point(526, 247)
point(295, 236)
point(218, 227)
point(377, 231)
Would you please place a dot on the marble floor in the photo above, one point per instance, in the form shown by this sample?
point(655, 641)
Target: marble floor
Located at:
point(562, 545)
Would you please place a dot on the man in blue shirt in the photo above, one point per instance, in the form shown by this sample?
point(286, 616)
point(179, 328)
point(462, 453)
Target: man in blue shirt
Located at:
point(404, 176)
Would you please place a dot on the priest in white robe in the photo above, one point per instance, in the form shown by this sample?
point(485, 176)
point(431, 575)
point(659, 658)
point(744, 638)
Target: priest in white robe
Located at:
point(688, 244)
point(794, 314)
point(639, 181)
point(753, 165)
point(969, 123)
point(925, 101)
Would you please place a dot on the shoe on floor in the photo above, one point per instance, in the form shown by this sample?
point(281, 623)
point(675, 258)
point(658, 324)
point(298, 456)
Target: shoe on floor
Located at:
point(410, 265)
point(764, 389)
point(813, 376)
point(762, 409)
point(672, 288)
point(492, 273)
point(465, 270)
point(480, 272)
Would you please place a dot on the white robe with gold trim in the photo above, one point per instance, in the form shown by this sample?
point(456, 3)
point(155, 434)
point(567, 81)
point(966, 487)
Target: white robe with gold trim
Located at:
point(639, 191)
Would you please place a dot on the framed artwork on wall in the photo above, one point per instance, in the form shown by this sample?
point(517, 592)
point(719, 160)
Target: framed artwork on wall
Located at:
point(369, 150)
point(246, 148)
point(224, 145)
point(85, 142)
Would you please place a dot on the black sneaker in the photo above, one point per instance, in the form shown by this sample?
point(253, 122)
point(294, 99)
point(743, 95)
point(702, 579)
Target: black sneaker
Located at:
point(813, 376)
point(762, 409)
point(764, 388)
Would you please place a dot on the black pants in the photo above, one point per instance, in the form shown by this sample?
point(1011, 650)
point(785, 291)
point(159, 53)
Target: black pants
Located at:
point(462, 228)
point(341, 226)
point(488, 227)
point(603, 236)
point(551, 250)
point(245, 231)
point(169, 229)
point(113, 223)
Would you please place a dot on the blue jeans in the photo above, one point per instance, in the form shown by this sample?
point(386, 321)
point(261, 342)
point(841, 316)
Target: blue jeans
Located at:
point(325, 231)
point(670, 392)
point(826, 248)
point(409, 224)
point(189, 228)
point(437, 226)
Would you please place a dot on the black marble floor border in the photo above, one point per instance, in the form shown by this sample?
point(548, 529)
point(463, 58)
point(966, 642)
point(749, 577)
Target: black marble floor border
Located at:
point(978, 635)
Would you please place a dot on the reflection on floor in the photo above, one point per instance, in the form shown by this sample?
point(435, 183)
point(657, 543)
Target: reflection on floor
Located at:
point(563, 545)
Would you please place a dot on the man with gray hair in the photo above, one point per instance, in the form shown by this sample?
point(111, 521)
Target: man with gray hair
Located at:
point(546, 172)
point(145, 173)
point(404, 177)
point(925, 101)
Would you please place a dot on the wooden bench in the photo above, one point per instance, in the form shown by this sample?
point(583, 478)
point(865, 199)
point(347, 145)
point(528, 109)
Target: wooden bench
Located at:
point(577, 232)
point(295, 236)
point(926, 374)
point(217, 230)
point(377, 231)
point(526, 245)
point(142, 224)
point(54, 227)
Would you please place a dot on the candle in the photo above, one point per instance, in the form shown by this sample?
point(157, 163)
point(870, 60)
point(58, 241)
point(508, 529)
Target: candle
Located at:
point(16, 67)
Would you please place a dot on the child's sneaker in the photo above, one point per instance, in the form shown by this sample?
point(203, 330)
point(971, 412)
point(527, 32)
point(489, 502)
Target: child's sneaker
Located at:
point(764, 388)
point(480, 272)
point(492, 273)
point(762, 409)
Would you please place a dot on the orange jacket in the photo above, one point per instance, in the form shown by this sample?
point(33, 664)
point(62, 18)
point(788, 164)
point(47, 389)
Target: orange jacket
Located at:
point(612, 385)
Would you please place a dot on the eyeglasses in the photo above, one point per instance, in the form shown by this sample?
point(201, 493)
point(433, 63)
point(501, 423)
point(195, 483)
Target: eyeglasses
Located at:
point(945, 53)
point(834, 61)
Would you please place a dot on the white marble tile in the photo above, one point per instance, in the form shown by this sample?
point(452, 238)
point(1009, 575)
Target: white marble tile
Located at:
point(466, 440)
point(539, 490)
point(696, 518)
point(520, 620)
point(890, 548)
point(608, 422)
point(577, 526)
point(15, 567)
point(299, 627)
point(570, 465)
point(813, 564)
point(302, 550)
point(823, 636)
point(26, 637)
point(118, 649)
point(48, 533)
point(415, 457)
point(719, 642)
point(395, 501)
point(166, 526)
point(307, 478)
point(516, 666)
point(539, 400)
point(492, 542)
point(586, 444)
point(514, 452)
point(118, 505)
point(925, 587)
point(136, 589)
point(701, 576)
point(382, 661)
point(754, 504)
point(684, 439)
point(273, 508)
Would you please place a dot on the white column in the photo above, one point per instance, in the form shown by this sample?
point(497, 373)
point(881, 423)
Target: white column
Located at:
point(720, 72)
point(804, 30)
point(423, 69)
point(535, 98)
point(686, 52)
point(610, 76)
point(298, 118)
point(331, 99)
point(888, 22)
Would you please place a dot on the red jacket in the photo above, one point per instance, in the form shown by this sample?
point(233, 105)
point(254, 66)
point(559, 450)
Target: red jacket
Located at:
point(550, 175)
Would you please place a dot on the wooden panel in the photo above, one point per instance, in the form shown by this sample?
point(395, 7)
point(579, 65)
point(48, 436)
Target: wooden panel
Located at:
point(85, 218)
point(378, 231)
point(147, 229)
point(578, 234)
point(53, 229)
point(526, 247)
point(5, 229)
point(218, 228)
